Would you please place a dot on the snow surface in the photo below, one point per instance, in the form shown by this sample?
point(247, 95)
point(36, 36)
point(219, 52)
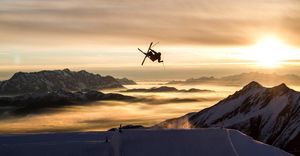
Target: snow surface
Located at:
point(270, 115)
point(195, 142)
point(55, 144)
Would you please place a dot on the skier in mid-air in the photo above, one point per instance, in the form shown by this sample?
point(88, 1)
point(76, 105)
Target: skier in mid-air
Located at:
point(152, 54)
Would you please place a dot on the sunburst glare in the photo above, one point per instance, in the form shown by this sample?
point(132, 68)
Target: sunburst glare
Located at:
point(269, 52)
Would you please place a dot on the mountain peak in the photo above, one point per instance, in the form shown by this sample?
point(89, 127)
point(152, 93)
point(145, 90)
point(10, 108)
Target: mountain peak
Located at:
point(17, 75)
point(252, 84)
point(281, 88)
point(66, 70)
point(282, 85)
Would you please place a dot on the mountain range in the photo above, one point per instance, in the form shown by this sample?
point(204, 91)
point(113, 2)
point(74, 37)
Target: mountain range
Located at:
point(243, 78)
point(47, 81)
point(167, 89)
point(270, 115)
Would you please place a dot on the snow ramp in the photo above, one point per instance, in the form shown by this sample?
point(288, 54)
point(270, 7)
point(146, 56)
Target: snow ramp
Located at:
point(194, 142)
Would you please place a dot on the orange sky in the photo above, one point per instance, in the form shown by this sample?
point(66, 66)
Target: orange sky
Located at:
point(103, 35)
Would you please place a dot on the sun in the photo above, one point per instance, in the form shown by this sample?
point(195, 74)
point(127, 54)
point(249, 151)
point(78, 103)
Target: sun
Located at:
point(269, 52)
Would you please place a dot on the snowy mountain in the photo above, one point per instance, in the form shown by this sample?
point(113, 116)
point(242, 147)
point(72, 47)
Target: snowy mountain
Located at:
point(270, 115)
point(242, 79)
point(208, 142)
point(45, 81)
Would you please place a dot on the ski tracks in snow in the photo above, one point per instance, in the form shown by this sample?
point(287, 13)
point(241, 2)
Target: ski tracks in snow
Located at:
point(231, 144)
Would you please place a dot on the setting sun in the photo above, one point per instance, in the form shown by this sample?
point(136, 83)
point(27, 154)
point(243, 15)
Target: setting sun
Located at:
point(269, 52)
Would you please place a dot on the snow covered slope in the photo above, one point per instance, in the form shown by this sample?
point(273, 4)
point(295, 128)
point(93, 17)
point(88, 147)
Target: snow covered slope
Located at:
point(55, 144)
point(209, 141)
point(270, 115)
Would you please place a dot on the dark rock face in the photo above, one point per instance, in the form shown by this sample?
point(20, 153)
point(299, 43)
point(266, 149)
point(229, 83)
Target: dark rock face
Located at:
point(154, 89)
point(128, 127)
point(47, 81)
point(34, 102)
point(167, 89)
point(125, 81)
point(270, 115)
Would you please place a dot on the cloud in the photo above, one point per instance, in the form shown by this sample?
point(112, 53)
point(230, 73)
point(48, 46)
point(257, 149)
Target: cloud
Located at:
point(47, 34)
point(113, 21)
point(19, 107)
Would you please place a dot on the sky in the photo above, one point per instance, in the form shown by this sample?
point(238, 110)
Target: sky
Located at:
point(196, 37)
